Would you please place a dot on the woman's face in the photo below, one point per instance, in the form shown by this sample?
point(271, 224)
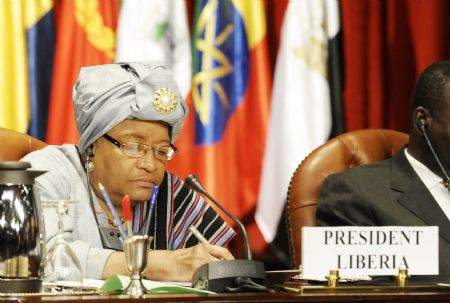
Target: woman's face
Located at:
point(121, 174)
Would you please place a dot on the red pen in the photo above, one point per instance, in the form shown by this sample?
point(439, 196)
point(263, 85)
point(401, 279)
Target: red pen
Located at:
point(128, 216)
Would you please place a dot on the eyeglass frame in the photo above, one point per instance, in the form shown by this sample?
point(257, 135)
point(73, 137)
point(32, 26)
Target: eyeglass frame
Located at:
point(146, 148)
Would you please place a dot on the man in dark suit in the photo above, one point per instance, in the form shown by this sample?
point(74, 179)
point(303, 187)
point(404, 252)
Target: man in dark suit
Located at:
point(410, 189)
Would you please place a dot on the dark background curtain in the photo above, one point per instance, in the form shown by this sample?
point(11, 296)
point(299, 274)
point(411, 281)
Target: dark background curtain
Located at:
point(386, 46)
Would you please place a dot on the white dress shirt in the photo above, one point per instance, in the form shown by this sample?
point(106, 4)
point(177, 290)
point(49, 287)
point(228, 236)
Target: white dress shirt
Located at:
point(433, 182)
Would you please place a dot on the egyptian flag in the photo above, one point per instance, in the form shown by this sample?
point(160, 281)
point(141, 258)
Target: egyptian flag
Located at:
point(26, 59)
point(224, 136)
point(302, 113)
point(85, 35)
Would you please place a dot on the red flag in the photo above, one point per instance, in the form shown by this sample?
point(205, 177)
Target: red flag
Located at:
point(85, 35)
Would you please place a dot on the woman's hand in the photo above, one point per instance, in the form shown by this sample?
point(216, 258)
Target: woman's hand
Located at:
point(180, 264)
point(170, 265)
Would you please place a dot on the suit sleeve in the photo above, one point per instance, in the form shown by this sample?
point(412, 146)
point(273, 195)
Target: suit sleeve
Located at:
point(342, 202)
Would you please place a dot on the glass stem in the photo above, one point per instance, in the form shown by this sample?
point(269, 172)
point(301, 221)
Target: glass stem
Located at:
point(60, 219)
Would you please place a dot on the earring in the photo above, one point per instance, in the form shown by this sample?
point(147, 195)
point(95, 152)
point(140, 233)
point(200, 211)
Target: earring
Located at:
point(90, 166)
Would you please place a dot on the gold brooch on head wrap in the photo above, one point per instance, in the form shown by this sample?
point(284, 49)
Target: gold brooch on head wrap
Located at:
point(165, 101)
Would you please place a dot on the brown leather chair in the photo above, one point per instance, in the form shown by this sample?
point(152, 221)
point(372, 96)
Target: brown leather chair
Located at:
point(338, 154)
point(15, 145)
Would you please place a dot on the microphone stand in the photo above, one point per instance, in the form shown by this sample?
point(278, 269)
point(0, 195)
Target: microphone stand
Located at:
point(228, 275)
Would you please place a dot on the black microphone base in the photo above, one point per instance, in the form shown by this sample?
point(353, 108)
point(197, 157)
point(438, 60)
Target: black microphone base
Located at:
point(220, 276)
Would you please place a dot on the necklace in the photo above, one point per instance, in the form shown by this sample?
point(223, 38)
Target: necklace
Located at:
point(111, 222)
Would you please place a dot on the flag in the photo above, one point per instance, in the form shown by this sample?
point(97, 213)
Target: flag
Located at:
point(300, 118)
point(85, 36)
point(26, 64)
point(224, 135)
point(336, 69)
point(156, 30)
point(40, 49)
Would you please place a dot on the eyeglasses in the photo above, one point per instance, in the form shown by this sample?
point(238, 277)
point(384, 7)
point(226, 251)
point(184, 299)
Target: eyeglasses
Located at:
point(138, 150)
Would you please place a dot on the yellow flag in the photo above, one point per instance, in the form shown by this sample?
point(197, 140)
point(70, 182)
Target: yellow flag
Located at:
point(14, 108)
point(15, 18)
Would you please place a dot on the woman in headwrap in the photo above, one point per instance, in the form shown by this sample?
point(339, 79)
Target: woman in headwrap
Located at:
point(128, 116)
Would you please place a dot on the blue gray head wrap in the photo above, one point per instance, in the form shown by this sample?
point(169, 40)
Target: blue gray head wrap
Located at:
point(106, 95)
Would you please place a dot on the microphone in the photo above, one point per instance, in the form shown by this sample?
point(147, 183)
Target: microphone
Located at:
point(193, 182)
point(228, 275)
point(423, 127)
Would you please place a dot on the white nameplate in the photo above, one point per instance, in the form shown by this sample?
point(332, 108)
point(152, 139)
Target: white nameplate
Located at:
point(358, 251)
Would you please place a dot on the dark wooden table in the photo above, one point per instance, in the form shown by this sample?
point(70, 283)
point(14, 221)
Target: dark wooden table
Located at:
point(297, 293)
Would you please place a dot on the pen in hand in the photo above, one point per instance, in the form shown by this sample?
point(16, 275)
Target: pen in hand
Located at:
point(197, 234)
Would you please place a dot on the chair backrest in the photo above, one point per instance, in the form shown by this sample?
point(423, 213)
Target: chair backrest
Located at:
point(15, 145)
point(338, 154)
